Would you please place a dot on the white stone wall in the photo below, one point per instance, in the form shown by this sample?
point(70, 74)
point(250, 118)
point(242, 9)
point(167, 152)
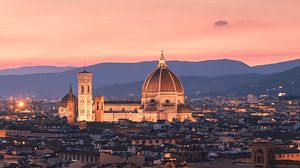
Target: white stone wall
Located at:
point(62, 112)
point(85, 99)
point(121, 107)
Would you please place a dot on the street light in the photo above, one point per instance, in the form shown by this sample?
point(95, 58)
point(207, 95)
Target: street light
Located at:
point(21, 104)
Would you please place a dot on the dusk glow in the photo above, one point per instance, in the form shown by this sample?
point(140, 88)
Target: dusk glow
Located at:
point(67, 32)
point(150, 83)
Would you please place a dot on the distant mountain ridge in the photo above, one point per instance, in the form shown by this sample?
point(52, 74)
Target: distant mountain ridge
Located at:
point(193, 85)
point(240, 84)
point(227, 67)
point(108, 74)
point(286, 81)
point(34, 69)
point(275, 67)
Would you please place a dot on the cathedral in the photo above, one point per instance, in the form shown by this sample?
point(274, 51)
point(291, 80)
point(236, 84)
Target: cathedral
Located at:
point(162, 99)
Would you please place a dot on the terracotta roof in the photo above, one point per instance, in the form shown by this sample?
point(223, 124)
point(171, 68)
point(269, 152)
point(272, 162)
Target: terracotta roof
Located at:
point(162, 79)
point(65, 99)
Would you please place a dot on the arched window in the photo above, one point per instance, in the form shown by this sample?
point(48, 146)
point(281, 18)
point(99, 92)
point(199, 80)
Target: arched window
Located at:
point(259, 157)
point(152, 101)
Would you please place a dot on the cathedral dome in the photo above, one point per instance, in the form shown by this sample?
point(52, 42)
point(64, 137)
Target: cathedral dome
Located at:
point(162, 79)
point(65, 99)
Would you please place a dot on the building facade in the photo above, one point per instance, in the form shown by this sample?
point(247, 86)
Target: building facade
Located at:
point(271, 155)
point(71, 108)
point(66, 103)
point(85, 96)
point(162, 98)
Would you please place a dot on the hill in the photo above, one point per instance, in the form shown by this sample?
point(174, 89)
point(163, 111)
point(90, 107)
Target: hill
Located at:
point(286, 81)
point(34, 69)
point(56, 84)
point(276, 67)
point(193, 85)
point(243, 84)
point(216, 76)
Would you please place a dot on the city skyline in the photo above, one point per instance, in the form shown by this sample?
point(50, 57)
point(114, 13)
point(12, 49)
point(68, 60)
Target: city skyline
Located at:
point(69, 33)
point(149, 83)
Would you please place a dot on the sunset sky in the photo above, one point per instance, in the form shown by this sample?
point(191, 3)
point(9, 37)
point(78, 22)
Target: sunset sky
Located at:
point(69, 32)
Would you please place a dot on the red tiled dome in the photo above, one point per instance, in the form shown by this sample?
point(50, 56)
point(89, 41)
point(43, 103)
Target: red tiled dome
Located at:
point(65, 99)
point(162, 80)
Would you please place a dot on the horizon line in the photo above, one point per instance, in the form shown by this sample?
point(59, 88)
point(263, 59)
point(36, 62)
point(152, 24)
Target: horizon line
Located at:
point(132, 62)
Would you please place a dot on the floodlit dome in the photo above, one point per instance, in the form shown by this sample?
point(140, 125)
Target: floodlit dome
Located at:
point(162, 79)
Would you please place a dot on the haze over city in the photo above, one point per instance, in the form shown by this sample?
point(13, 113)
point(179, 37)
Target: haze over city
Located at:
point(69, 32)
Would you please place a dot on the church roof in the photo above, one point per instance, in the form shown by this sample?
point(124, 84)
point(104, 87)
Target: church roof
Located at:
point(183, 109)
point(162, 79)
point(69, 96)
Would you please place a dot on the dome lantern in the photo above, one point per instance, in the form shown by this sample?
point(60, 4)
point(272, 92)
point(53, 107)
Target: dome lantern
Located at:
point(162, 61)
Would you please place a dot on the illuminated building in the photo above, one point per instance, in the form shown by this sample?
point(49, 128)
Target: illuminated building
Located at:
point(163, 95)
point(85, 98)
point(252, 99)
point(162, 99)
point(99, 108)
point(71, 108)
point(63, 110)
point(270, 155)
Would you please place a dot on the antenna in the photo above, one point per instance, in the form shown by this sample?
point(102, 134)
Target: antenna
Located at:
point(84, 68)
point(84, 64)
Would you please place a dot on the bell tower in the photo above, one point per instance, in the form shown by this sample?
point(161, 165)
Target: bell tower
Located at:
point(85, 96)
